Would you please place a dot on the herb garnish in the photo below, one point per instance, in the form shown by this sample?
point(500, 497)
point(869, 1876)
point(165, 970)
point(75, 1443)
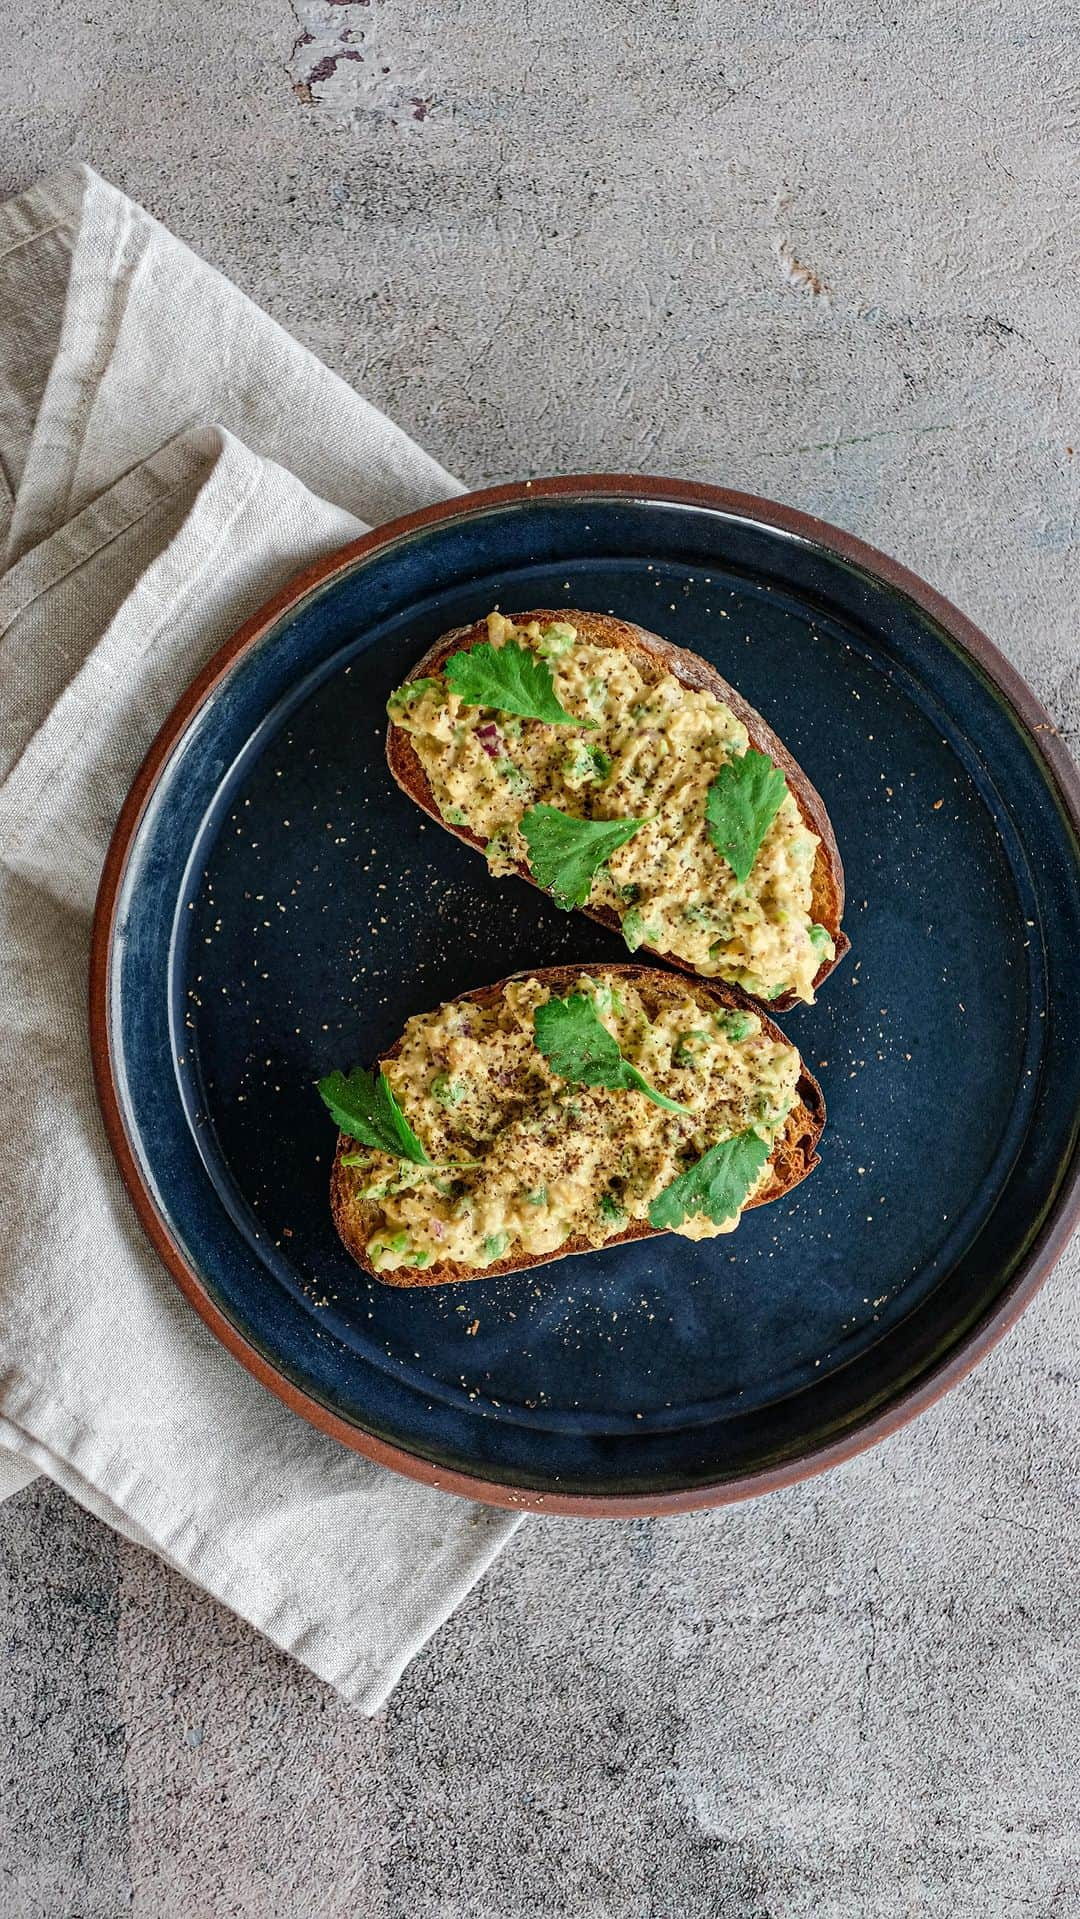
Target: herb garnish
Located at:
point(509, 678)
point(364, 1107)
point(578, 1047)
point(743, 801)
point(717, 1184)
point(565, 854)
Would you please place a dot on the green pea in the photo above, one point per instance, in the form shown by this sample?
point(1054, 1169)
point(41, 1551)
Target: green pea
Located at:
point(518, 782)
point(556, 639)
point(736, 1026)
point(635, 931)
point(608, 999)
point(687, 1047)
point(577, 765)
point(448, 1092)
point(412, 690)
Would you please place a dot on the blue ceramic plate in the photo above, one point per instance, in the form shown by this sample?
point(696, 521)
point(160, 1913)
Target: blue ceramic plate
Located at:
point(273, 906)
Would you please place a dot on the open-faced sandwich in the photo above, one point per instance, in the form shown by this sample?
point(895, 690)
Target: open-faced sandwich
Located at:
point(624, 776)
point(560, 1111)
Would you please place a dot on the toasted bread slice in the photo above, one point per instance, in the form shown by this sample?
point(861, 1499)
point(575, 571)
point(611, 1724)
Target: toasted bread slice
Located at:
point(793, 1156)
point(654, 657)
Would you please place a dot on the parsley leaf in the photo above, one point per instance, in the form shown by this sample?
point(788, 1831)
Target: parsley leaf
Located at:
point(717, 1185)
point(365, 1108)
point(565, 854)
point(509, 678)
point(743, 801)
point(578, 1047)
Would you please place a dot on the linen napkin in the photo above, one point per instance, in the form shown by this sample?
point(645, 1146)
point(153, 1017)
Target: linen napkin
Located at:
point(169, 457)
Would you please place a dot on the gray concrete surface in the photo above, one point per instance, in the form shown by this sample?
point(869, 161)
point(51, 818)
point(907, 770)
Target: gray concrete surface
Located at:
point(829, 255)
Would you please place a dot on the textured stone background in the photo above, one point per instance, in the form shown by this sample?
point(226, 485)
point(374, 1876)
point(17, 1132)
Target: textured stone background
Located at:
point(829, 255)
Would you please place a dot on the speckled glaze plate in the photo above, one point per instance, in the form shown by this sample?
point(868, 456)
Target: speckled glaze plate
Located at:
point(273, 906)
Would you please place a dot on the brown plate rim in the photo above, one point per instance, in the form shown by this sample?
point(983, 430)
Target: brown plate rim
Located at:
point(1030, 1272)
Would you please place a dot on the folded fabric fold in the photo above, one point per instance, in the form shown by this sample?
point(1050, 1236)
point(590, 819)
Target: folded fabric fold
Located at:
point(170, 457)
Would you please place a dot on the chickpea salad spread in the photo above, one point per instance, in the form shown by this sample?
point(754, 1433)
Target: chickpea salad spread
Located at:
point(617, 790)
point(512, 1124)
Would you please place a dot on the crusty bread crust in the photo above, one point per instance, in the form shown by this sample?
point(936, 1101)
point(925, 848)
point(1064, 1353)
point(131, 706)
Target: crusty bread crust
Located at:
point(653, 657)
point(794, 1154)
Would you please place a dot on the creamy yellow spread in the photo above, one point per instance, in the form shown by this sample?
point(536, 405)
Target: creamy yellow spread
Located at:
point(655, 750)
point(555, 1160)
